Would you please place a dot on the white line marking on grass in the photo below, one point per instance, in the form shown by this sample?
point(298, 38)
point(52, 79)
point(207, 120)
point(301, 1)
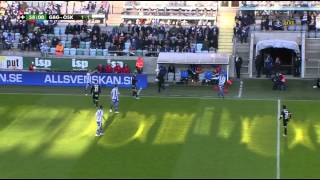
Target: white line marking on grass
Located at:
point(240, 89)
point(174, 96)
point(278, 141)
point(155, 96)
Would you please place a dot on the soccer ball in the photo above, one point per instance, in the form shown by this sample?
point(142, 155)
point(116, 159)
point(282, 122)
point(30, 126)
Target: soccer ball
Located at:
point(314, 87)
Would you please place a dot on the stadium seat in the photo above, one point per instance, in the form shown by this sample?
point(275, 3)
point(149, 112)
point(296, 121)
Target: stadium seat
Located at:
point(88, 45)
point(199, 47)
point(52, 50)
point(69, 37)
point(30, 35)
point(105, 52)
point(73, 51)
point(93, 52)
point(50, 36)
point(56, 31)
point(63, 43)
point(17, 36)
point(45, 35)
point(82, 44)
point(201, 76)
point(62, 30)
point(139, 52)
point(108, 44)
point(66, 51)
point(63, 37)
point(208, 75)
point(184, 75)
point(144, 52)
point(127, 46)
point(15, 45)
point(68, 44)
point(86, 52)
point(5, 34)
point(79, 51)
point(99, 52)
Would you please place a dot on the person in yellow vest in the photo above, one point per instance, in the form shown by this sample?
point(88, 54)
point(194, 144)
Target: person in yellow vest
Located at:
point(59, 49)
point(139, 65)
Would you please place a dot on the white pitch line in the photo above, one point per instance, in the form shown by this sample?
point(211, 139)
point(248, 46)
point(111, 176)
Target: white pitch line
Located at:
point(278, 141)
point(240, 89)
point(172, 96)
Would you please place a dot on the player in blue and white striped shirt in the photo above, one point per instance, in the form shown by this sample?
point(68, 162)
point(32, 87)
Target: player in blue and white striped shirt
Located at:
point(115, 99)
point(222, 81)
point(99, 116)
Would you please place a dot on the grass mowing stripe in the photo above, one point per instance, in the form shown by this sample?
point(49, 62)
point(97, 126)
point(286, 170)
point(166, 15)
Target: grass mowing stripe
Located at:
point(151, 96)
point(278, 141)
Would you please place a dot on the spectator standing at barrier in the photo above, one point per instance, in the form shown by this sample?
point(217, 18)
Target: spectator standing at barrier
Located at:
point(268, 66)
point(259, 64)
point(44, 48)
point(59, 49)
point(108, 68)
point(126, 69)
point(139, 65)
point(117, 69)
point(297, 66)
point(75, 41)
point(277, 64)
point(100, 68)
point(161, 74)
point(32, 67)
point(9, 41)
point(238, 64)
point(171, 69)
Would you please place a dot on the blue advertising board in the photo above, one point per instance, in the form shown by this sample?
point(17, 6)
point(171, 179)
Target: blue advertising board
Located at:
point(69, 79)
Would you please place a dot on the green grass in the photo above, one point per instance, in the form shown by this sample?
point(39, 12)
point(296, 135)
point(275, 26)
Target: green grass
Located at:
point(300, 151)
point(53, 137)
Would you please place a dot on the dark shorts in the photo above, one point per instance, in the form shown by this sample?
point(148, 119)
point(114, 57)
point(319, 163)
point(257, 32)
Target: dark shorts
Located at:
point(285, 123)
point(95, 97)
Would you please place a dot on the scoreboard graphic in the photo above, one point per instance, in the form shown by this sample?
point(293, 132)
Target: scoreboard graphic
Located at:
point(59, 16)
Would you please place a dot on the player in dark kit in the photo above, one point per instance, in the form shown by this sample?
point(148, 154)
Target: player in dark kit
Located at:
point(286, 116)
point(95, 91)
point(134, 86)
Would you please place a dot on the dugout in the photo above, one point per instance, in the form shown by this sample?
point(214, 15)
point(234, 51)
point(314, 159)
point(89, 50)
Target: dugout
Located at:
point(182, 61)
point(287, 51)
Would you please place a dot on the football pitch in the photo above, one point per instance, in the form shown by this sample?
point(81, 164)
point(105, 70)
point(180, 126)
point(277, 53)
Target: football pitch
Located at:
point(50, 133)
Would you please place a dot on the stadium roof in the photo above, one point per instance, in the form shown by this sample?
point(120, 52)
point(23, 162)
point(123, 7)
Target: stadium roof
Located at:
point(277, 44)
point(279, 8)
point(192, 58)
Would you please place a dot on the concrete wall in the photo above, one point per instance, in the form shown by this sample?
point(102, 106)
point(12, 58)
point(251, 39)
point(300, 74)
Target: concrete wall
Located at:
point(289, 36)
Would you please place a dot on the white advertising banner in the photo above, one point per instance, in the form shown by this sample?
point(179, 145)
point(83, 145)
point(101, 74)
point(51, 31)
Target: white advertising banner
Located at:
point(11, 62)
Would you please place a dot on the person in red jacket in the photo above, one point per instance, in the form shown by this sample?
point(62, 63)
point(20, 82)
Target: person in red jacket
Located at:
point(100, 68)
point(117, 69)
point(139, 65)
point(126, 69)
point(109, 68)
point(32, 67)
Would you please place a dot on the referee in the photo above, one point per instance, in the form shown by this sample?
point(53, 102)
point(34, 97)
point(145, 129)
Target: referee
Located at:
point(286, 116)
